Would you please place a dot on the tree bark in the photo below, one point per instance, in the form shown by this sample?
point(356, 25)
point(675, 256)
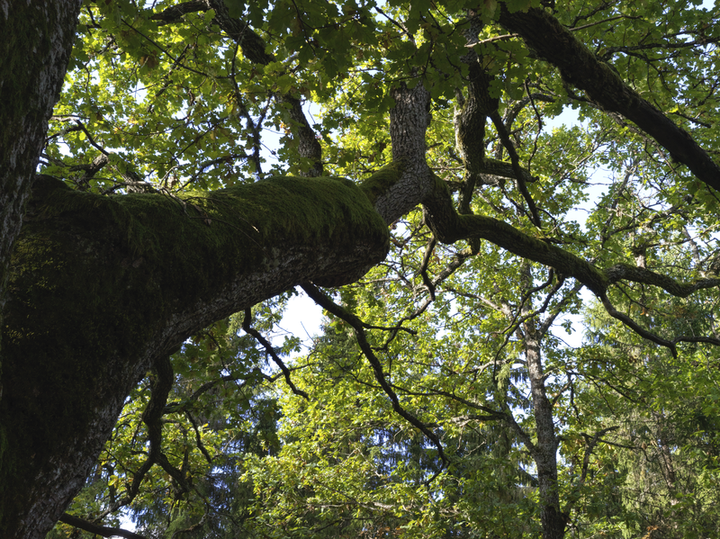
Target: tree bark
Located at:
point(35, 43)
point(101, 287)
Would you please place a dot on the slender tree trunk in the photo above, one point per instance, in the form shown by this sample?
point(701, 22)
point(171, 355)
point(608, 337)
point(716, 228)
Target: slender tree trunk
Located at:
point(545, 453)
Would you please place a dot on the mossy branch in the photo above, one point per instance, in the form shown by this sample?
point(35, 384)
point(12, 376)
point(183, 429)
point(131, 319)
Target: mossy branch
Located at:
point(624, 272)
point(89, 270)
point(579, 67)
point(448, 227)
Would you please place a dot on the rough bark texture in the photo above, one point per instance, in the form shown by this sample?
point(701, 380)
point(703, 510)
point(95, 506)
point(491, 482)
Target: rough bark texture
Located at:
point(470, 120)
point(409, 120)
point(35, 43)
point(100, 288)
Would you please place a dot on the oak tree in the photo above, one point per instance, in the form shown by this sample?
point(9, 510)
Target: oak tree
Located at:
point(148, 209)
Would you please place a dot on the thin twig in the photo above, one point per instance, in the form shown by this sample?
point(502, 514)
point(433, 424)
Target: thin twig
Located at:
point(247, 320)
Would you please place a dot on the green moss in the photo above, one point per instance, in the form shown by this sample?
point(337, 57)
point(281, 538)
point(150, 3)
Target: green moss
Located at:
point(94, 279)
point(381, 181)
point(310, 209)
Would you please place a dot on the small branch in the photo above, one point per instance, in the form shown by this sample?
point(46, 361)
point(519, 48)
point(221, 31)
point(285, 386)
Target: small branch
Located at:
point(247, 320)
point(708, 340)
point(610, 19)
point(90, 138)
point(90, 170)
point(162, 49)
point(429, 250)
point(185, 404)
point(198, 439)
point(515, 160)
point(329, 305)
point(491, 40)
point(591, 443)
point(629, 322)
point(103, 531)
point(253, 47)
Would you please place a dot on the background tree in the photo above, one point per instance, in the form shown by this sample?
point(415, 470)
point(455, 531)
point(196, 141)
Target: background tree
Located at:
point(157, 216)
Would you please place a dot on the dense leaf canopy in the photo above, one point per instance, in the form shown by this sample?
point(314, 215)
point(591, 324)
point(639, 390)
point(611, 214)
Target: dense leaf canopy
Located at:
point(532, 348)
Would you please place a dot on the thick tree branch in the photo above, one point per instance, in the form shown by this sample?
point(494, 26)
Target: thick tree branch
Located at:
point(579, 67)
point(470, 122)
point(470, 119)
point(174, 13)
point(624, 272)
point(409, 120)
point(449, 227)
point(142, 265)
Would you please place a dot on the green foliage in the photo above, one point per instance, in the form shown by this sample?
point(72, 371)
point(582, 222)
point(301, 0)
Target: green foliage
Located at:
point(180, 105)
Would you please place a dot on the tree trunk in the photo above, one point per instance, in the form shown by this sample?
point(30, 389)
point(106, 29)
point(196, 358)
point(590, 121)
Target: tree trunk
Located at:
point(100, 288)
point(35, 43)
point(545, 451)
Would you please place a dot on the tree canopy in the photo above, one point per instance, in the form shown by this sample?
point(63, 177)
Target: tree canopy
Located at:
point(521, 332)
